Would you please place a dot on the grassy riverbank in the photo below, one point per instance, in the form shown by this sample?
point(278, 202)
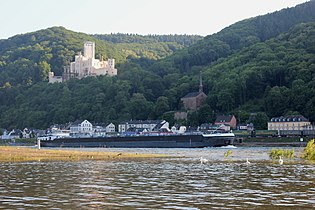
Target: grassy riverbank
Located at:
point(22, 154)
point(271, 141)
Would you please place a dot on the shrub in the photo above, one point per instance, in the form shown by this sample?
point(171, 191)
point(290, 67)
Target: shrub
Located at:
point(309, 151)
point(276, 153)
point(227, 153)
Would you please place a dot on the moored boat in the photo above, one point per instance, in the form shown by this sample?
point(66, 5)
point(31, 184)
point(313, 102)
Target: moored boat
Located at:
point(165, 140)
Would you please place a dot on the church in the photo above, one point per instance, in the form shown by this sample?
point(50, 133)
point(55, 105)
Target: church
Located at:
point(192, 101)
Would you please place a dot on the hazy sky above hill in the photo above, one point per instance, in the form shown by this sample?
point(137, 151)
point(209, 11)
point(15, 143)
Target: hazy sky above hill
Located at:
point(203, 17)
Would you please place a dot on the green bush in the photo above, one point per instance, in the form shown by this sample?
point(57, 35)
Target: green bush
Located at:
point(227, 153)
point(309, 151)
point(276, 153)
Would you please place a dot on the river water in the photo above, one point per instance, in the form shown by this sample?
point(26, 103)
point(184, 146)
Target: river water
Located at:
point(162, 183)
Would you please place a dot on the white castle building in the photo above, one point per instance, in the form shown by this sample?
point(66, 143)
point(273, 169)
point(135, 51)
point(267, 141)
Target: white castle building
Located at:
point(86, 65)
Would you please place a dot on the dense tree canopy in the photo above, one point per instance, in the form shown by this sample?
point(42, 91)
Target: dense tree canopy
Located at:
point(280, 69)
point(254, 66)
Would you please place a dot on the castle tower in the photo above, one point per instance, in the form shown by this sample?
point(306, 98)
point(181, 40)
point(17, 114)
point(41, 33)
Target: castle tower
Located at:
point(111, 63)
point(89, 50)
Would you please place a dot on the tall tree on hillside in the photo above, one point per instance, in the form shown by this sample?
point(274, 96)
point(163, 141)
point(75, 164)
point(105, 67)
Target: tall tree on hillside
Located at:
point(161, 106)
point(138, 107)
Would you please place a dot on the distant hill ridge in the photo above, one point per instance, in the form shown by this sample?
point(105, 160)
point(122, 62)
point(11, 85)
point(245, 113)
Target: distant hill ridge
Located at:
point(241, 34)
point(184, 40)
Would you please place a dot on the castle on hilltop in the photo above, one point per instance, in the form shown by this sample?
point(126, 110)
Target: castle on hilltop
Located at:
point(85, 65)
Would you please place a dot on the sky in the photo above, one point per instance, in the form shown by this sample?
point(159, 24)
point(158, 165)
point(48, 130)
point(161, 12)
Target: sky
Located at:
point(201, 17)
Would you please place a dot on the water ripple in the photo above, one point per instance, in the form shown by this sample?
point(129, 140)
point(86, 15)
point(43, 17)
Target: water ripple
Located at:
point(176, 183)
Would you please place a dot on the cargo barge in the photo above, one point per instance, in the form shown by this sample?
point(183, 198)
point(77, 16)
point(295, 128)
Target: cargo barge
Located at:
point(194, 140)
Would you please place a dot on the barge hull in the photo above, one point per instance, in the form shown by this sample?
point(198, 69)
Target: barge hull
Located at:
point(185, 141)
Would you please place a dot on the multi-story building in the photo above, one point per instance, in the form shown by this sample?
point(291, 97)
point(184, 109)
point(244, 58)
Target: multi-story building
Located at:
point(86, 65)
point(110, 128)
point(81, 128)
point(290, 123)
point(229, 120)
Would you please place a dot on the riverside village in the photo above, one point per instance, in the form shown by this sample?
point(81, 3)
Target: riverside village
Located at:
point(294, 126)
point(86, 65)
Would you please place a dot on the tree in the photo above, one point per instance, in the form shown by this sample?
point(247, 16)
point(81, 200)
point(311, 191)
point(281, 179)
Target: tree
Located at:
point(299, 95)
point(139, 107)
point(7, 85)
point(205, 114)
point(260, 120)
point(192, 119)
point(44, 69)
point(161, 106)
point(169, 117)
point(242, 116)
point(276, 101)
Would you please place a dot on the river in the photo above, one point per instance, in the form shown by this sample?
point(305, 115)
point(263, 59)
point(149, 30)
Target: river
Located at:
point(181, 182)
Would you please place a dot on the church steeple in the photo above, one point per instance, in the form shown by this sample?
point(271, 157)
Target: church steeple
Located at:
point(200, 84)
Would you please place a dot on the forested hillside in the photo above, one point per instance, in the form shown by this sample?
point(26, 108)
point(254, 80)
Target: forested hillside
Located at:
point(27, 59)
point(235, 37)
point(264, 65)
point(276, 76)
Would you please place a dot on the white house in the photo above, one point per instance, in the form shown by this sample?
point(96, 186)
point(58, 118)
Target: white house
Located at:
point(26, 133)
point(99, 131)
point(245, 127)
point(110, 128)
point(79, 127)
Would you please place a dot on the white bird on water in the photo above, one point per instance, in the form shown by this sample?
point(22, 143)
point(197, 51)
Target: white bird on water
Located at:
point(280, 160)
point(247, 161)
point(203, 160)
